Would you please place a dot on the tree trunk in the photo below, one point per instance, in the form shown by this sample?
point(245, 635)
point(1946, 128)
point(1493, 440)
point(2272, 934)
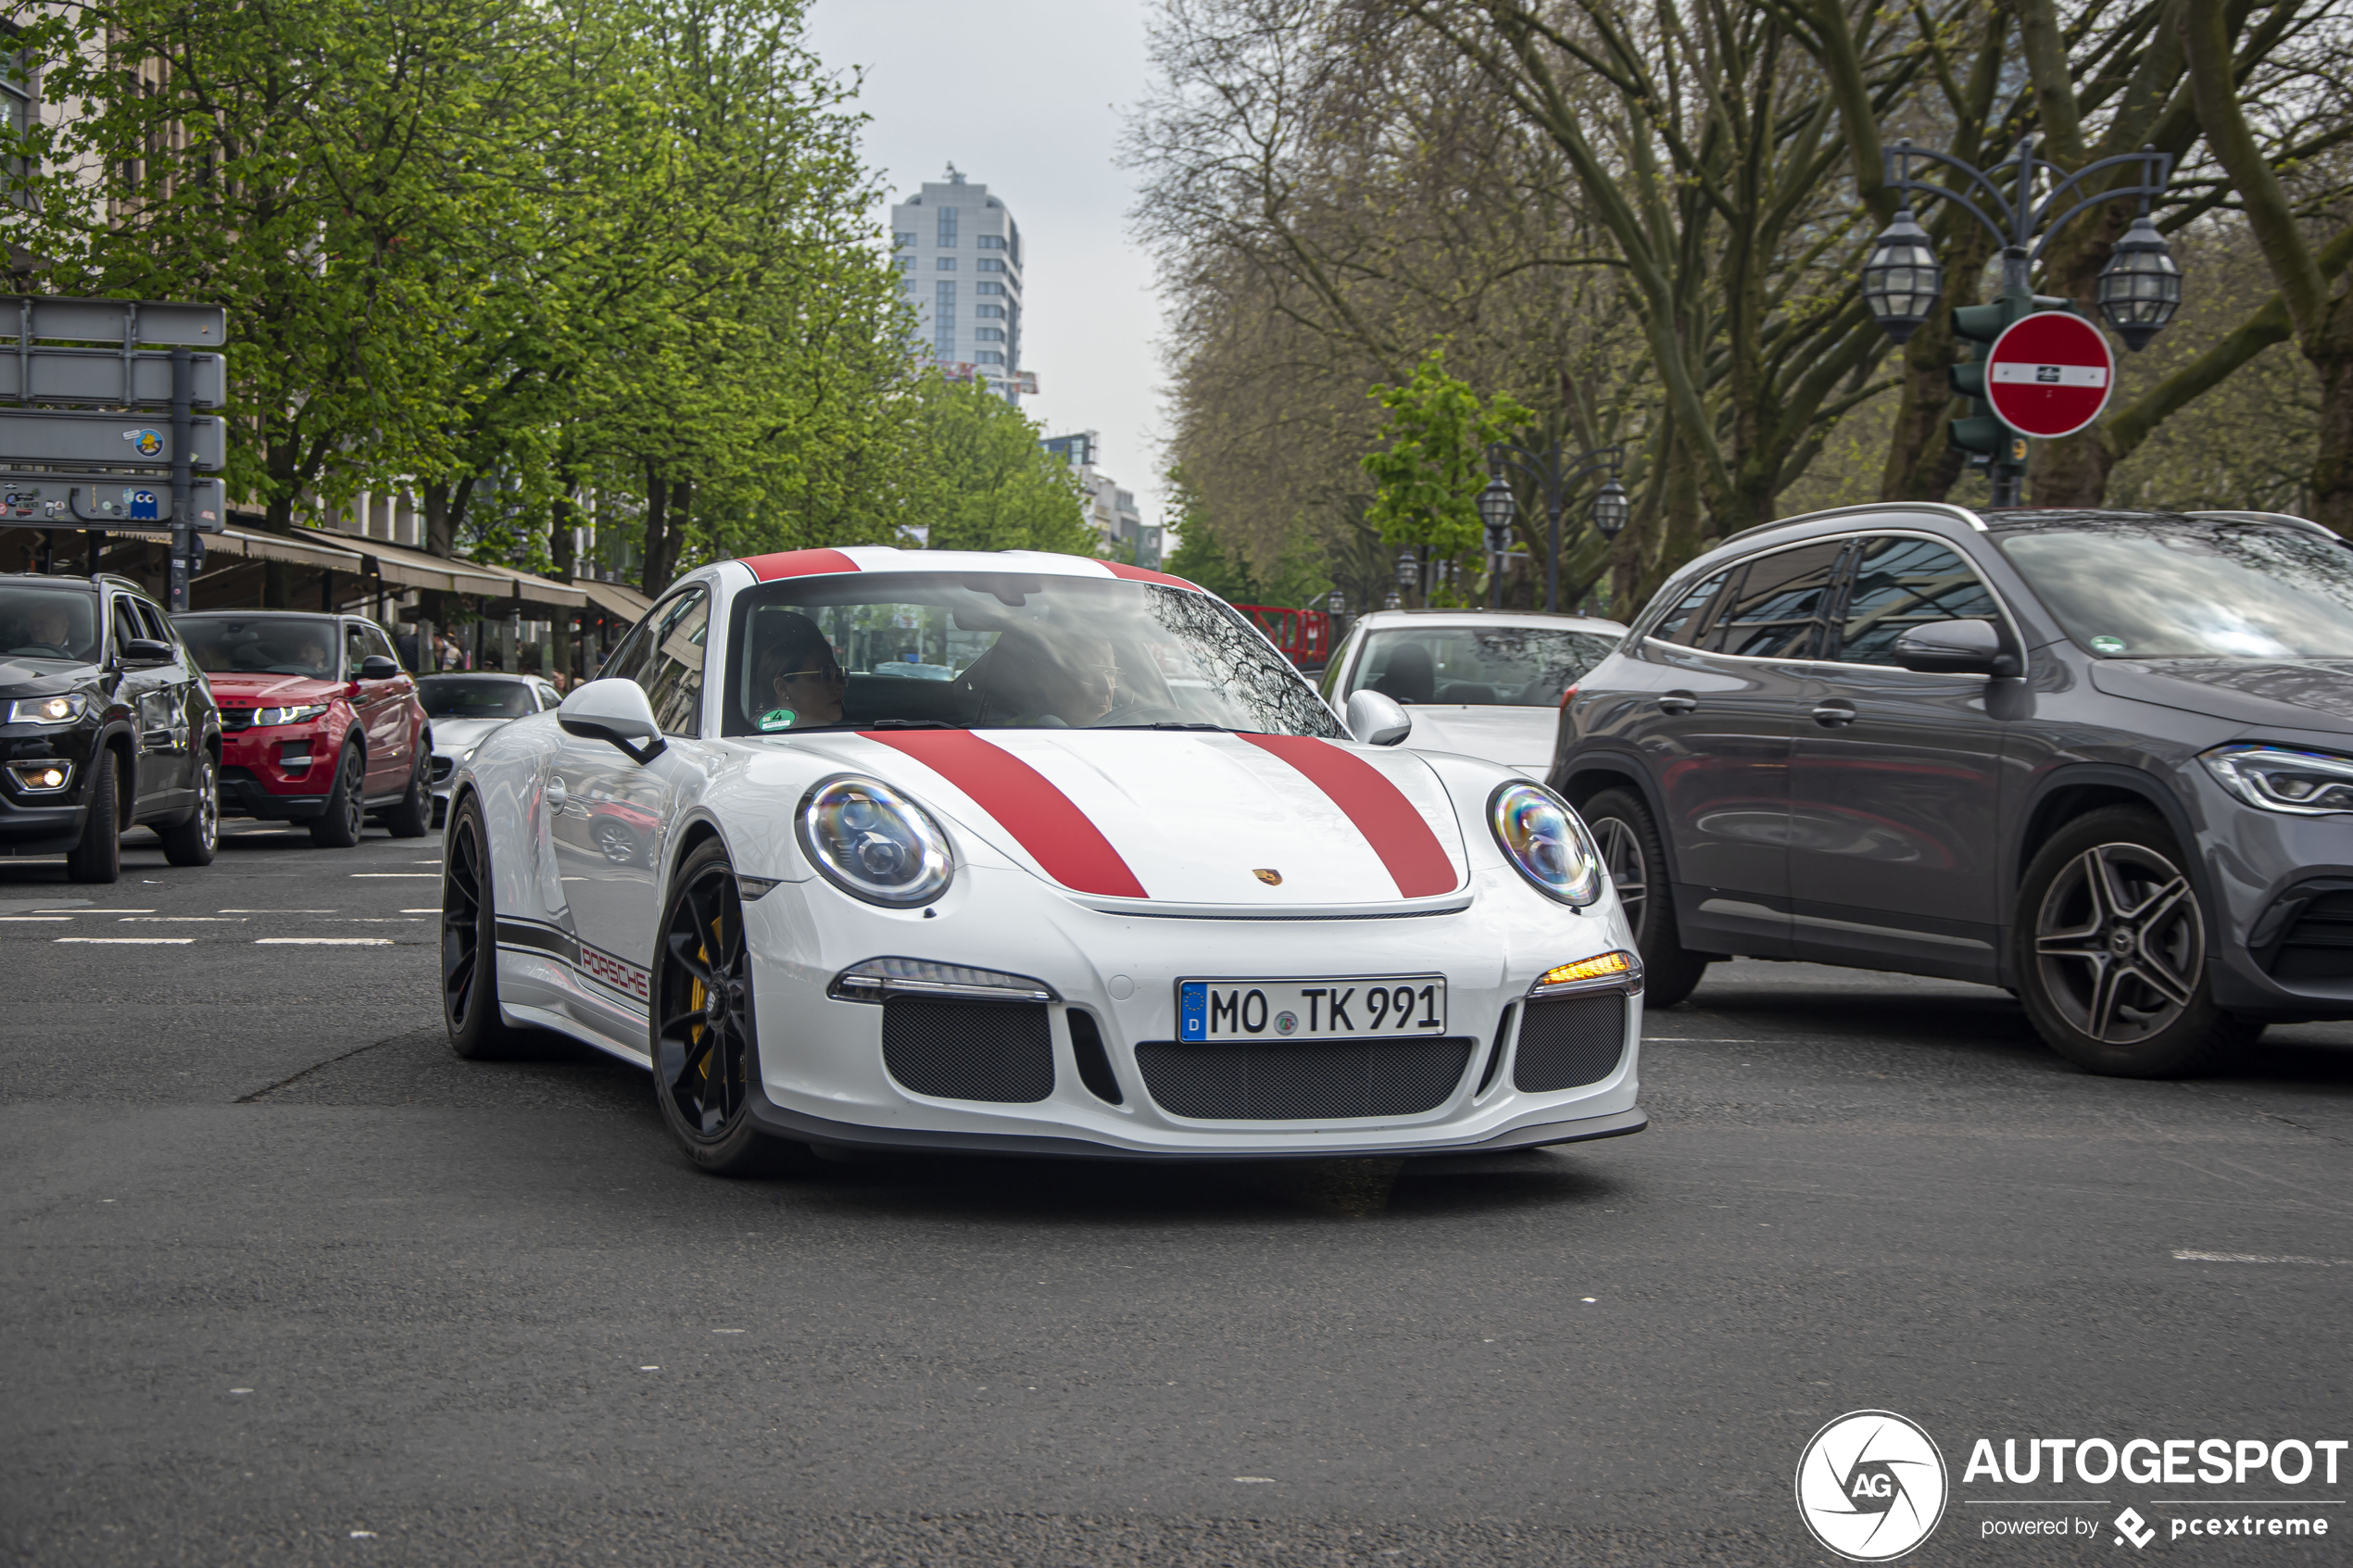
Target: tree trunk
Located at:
point(441, 538)
point(651, 575)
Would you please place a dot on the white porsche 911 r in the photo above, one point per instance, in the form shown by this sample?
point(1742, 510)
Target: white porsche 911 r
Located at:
point(1029, 854)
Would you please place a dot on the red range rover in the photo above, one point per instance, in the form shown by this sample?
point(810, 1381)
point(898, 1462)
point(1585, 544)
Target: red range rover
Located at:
point(319, 722)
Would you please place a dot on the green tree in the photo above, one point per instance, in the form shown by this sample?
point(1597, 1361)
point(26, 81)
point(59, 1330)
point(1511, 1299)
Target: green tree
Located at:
point(1430, 473)
point(974, 475)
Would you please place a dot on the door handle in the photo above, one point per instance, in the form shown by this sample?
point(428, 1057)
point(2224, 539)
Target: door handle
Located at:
point(1677, 702)
point(1832, 715)
point(556, 795)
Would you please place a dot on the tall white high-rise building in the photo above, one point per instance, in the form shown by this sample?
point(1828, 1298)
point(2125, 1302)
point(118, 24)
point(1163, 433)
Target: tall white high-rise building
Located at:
point(959, 256)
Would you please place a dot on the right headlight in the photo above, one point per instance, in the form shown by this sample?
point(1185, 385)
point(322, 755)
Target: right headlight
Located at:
point(2303, 784)
point(1544, 840)
point(873, 843)
point(297, 714)
point(47, 709)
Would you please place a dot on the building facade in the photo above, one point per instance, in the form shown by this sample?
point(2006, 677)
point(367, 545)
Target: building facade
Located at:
point(958, 251)
point(1112, 509)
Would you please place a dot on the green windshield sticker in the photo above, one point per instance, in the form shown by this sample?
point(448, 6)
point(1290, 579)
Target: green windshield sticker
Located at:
point(782, 718)
point(2108, 644)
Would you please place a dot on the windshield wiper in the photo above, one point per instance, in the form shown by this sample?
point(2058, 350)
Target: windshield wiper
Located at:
point(1169, 724)
point(904, 724)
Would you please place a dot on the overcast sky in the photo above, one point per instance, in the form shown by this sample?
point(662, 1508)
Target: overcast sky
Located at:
point(1028, 96)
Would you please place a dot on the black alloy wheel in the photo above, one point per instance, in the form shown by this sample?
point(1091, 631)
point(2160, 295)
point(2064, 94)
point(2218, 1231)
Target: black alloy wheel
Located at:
point(194, 839)
point(1628, 840)
point(411, 816)
point(98, 857)
point(2112, 952)
point(339, 826)
point(705, 1029)
point(470, 945)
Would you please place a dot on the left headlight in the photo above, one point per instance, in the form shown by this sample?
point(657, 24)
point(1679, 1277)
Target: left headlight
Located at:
point(47, 709)
point(289, 715)
point(2303, 784)
point(1544, 840)
point(873, 843)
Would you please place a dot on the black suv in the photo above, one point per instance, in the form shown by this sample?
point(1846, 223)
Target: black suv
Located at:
point(109, 723)
point(2102, 758)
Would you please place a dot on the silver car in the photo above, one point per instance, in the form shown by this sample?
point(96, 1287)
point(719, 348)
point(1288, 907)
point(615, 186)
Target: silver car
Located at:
point(464, 706)
point(1483, 683)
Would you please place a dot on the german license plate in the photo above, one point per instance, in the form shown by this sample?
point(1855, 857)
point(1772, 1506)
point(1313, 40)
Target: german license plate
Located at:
point(1371, 1007)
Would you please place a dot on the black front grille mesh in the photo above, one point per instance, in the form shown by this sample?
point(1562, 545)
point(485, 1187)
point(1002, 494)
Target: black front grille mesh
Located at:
point(1298, 1081)
point(442, 768)
point(1568, 1042)
point(999, 1051)
point(2320, 945)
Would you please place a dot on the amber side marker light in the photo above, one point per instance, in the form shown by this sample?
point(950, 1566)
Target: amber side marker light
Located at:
point(1601, 968)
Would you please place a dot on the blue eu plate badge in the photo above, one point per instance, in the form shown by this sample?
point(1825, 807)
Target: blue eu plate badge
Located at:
point(1193, 1011)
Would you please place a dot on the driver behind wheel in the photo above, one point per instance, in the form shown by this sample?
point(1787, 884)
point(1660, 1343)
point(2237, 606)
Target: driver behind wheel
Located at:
point(40, 631)
point(797, 675)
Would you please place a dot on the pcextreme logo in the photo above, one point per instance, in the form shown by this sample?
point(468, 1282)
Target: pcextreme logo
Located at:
point(1871, 1485)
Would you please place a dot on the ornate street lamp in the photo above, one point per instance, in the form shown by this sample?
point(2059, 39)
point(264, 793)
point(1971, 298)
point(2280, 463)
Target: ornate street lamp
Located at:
point(1555, 476)
point(1336, 604)
point(2140, 288)
point(1409, 572)
point(1902, 277)
point(1611, 509)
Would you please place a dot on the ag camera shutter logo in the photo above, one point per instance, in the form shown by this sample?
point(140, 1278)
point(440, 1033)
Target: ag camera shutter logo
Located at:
point(1871, 1485)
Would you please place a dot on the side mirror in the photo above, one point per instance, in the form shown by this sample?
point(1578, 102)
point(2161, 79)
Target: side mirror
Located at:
point(1376, 719)
point(1955, 647)
point(616, 711)
point(145, 651)
point(376, 667)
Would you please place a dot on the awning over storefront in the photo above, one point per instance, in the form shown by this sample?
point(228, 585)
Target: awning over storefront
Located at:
point(414, 568)
point(616, 600)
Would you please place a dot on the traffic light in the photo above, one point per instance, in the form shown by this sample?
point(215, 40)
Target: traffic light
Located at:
point(1982, 431)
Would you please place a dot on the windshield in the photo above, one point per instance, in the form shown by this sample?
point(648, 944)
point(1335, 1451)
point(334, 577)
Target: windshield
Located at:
point(474, 697)
point(48, 623)
point(1482, 666)
point(1003, 650)
point(256, 644)
point(2165, 588)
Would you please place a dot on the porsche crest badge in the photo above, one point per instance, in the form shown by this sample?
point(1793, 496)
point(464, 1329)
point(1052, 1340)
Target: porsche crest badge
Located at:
point(1269, 875)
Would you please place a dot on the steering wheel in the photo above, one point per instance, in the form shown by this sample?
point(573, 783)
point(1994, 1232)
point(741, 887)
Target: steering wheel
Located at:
point(39, 650)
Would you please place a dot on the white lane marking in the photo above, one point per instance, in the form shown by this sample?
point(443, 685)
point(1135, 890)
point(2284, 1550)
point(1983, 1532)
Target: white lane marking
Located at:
point(39, 919)
point(730, 1331)
point(2256, 1258)
point(432, 862)
point(650, 1369)
point(63, 911)
point(391, 875)
point(274, 911)
point(1255, 1480)
point(322, 941)
point(162, 920)
point(241, 1390)
point(420, 911)
point(134, 941)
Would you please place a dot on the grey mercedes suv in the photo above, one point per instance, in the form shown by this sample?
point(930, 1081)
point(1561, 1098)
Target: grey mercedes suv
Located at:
point(2102, 758)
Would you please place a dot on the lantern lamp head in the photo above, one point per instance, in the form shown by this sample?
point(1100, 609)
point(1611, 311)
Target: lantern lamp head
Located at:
point(1902, 277)
point(2140, 288)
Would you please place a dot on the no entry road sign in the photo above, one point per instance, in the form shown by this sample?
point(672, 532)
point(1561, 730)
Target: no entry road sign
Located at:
point(2049, 375)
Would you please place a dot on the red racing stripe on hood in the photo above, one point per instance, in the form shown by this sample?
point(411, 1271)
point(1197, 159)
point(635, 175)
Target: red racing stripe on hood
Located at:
point(1417, 862)
point(1056, 832)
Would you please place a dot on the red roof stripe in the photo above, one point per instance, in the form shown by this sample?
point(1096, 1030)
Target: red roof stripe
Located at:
point(1145, 574)
point(798, 563)
point(1055, 832)
point(1398, 834)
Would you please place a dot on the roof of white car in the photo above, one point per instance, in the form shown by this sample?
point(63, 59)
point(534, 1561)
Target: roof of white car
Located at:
point(882, 557)
point(1378, 618)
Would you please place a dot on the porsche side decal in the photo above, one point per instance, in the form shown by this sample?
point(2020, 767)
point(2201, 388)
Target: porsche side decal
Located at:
point(1417, 862)
point(1055, 832)
point(591, 964)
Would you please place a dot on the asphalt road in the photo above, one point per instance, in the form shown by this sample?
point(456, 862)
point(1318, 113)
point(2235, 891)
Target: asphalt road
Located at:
point(286, 1282)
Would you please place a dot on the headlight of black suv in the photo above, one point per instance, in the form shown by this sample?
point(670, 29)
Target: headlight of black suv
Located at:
point(2276, 778)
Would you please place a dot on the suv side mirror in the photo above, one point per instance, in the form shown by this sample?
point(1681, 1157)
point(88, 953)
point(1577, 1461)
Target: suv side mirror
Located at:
point(613, 710)
point(146, 651)
point(1378, 720)
point(376, 667)
point(1955, 647)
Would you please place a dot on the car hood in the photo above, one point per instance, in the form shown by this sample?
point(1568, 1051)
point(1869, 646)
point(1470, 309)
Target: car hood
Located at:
point(280, 690)
point(1187, 819)
point(453, 735)
point(2309, 693)
point(1519, 738)
point(42, 677)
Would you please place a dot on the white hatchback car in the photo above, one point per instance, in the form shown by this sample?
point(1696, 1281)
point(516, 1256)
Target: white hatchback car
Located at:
point(1123, 886)
point(1483, 683)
